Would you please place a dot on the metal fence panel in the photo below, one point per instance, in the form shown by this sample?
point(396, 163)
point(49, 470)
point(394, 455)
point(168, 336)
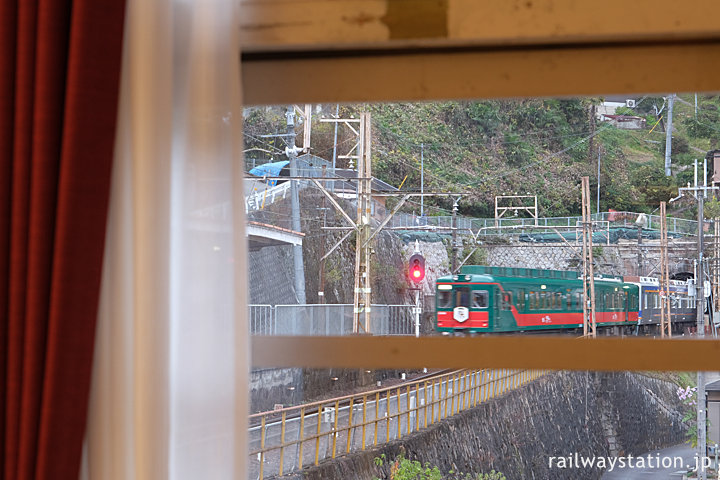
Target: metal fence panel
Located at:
point(616, 219)
point(261, 319)
point(328, 319)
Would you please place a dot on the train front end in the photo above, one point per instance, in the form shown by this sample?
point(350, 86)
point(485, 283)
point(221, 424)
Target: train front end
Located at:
point(464, 303)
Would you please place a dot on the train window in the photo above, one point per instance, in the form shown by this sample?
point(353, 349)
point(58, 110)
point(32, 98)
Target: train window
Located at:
point(532, 300)
point(462, 297)
point(444, 299)
point(568, 299)
point(558, 301)
point(480, 299)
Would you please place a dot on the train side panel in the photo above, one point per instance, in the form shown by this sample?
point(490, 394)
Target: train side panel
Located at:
point(487, 303)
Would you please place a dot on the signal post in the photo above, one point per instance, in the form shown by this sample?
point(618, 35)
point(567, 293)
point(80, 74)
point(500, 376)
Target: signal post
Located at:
point(416, 274)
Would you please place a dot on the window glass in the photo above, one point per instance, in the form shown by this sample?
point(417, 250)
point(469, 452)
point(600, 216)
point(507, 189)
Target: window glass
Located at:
point(462, 297)
point(480, 299)
point(444, 299)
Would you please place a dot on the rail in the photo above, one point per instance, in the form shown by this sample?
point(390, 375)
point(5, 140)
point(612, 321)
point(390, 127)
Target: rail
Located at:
point(287, 439)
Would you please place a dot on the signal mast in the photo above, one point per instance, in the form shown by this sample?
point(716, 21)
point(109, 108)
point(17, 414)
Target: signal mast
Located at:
point(416, 274)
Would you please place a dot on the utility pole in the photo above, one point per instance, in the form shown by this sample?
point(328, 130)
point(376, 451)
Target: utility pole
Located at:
point(598, 188)
point(454, 237)
point(321, 282)
point(665, 319)
point(668, 135)
point(700, 296)
point(699, 193)
point(362, 296)
point(716, 266)
point(337, 115)
point(422, 179)
point(640, 268)
point(291, 151)
point(589, 325)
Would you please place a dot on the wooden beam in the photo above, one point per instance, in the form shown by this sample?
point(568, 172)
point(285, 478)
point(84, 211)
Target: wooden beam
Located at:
point(541, 71)
point(563, 353)
point(302, 25)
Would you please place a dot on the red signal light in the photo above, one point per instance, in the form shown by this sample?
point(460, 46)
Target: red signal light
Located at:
point(417, 268)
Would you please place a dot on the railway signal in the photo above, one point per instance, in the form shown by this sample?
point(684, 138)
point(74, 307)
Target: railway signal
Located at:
point(416, 266)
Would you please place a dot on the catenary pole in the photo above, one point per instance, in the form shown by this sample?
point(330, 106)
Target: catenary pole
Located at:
point(668, 135)
point(700, 296)
point(291, 152)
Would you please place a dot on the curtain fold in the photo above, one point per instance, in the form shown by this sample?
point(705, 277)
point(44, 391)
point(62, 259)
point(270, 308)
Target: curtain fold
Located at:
point(59, 73)
point(170, 374)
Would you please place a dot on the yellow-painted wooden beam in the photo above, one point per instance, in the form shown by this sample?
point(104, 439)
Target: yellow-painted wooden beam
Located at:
point(541, 352)
point(341, 24)
point(493, 73)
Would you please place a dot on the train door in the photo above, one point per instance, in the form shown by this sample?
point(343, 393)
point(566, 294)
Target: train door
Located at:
point(626, 303)
point(496, 308)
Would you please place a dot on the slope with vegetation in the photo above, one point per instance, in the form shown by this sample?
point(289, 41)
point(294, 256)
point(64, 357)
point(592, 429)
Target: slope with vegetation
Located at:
point(533, 146)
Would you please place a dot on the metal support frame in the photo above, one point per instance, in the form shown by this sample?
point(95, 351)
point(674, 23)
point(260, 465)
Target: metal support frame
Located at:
point(357, 147)
point(501, 210)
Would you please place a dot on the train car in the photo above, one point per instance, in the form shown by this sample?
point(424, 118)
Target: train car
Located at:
point(683, 309)
point(498, 299)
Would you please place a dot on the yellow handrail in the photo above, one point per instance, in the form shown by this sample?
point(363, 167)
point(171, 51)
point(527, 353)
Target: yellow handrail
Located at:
point(457, 391)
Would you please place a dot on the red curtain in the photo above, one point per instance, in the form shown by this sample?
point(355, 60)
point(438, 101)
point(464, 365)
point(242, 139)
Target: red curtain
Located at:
point(59, 79)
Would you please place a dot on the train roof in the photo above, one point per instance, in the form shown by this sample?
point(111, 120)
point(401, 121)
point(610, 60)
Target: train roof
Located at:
point(529, 273)
point(652, 281)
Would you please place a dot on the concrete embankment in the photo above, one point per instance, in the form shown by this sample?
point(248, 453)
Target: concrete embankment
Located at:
point(591, 414)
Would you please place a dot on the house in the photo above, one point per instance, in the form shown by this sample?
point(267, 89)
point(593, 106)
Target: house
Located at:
point(625, 122)
point(612, 103)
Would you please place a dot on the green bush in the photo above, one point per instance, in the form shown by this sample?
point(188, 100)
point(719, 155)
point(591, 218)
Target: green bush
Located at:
point(404, 469)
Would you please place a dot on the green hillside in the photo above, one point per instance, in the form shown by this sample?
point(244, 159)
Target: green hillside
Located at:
point(532, 146)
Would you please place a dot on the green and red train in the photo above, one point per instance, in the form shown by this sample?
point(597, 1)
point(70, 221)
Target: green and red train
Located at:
point(499, 299)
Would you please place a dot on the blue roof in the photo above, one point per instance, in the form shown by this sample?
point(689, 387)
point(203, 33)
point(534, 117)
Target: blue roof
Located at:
point(269, 170)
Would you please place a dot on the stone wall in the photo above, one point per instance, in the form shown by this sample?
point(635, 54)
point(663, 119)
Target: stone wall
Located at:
point(614, 259)
point(592, 414)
